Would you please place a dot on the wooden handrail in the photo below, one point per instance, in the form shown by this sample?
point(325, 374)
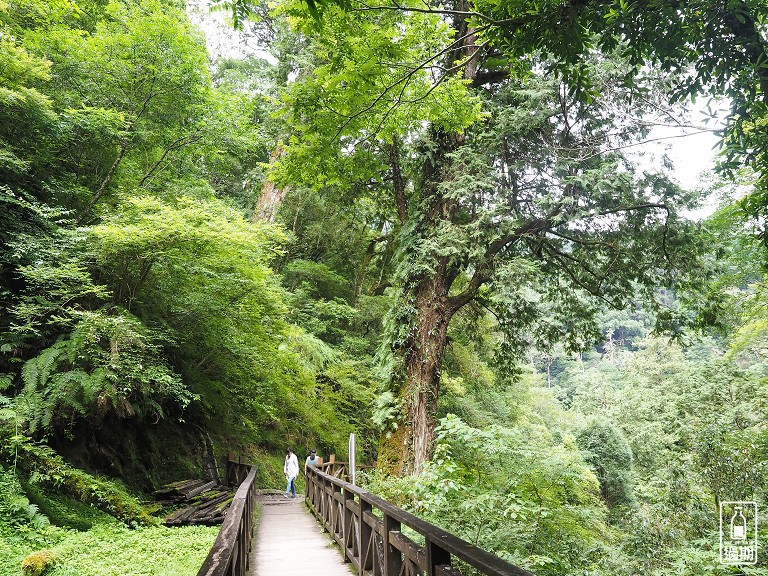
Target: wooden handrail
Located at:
point(340, 469)
point(374, 544)
point(229, 555)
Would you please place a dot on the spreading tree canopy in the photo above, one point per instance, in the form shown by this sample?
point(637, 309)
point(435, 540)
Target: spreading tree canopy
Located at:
point(499, 185)
point(713, 47)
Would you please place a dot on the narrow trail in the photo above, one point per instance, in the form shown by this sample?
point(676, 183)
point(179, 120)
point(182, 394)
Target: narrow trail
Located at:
point(289, 542)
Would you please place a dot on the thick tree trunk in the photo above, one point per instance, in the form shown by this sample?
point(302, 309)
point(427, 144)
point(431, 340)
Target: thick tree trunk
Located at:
point(272, 196)
point(410, 447)
point(423, 361)
point(424, 348)
point(406, 450)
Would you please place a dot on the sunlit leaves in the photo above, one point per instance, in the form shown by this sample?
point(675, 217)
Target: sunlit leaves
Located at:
point(372, 78)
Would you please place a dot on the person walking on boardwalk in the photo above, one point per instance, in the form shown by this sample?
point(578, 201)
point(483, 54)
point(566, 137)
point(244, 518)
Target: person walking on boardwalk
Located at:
point(291, 470)
point(312, 460)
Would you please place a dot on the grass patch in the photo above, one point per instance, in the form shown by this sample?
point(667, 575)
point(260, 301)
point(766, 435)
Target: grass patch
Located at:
point(115, 550)
point(88, 542)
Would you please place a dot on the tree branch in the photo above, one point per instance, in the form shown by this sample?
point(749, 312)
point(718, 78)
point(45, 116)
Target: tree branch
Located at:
point(104, 183)
point(173, 146)
point(444, 12)
point(483, 272)
point(406, 78)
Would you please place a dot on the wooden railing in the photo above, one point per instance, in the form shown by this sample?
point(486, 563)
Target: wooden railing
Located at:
point(368, 530)
point(230, 552)
point(340, 469)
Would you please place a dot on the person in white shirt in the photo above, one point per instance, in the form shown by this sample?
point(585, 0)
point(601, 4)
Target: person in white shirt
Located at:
point(291, 470)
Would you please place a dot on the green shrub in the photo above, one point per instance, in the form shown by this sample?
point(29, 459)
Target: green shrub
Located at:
point(608, 452)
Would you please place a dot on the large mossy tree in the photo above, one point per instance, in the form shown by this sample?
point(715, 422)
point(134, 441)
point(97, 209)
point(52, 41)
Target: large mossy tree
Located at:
point(497, 185)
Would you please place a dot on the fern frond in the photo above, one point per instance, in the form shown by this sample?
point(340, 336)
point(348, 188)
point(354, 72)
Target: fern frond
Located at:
point(29, 373)
point(36, 371)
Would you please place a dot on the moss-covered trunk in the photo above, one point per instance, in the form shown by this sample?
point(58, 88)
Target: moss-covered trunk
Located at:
point(410, 446)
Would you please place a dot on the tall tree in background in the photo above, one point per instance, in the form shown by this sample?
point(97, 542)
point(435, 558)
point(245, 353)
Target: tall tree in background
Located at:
point(506, 189)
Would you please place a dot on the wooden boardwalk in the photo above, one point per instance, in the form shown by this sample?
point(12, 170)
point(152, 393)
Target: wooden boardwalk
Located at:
point(289, 542)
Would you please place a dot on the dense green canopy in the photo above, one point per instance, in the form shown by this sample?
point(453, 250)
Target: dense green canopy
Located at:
point(425, 224)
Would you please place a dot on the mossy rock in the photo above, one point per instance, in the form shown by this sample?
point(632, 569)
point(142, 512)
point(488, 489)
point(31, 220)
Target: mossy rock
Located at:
point(55, 474)
point(38, 563)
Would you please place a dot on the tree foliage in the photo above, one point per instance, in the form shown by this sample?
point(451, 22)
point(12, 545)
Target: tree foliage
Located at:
point(131, 295)
point(512, 193)
point(463, 264)
point(608, 452)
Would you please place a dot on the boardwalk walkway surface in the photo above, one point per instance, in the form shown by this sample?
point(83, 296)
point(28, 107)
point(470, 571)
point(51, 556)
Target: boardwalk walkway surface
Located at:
point(289, 542)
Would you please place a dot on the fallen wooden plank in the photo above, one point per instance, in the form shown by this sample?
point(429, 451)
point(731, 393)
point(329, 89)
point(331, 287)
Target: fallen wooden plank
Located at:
point(214, 502)
point(212, 494)
point(178, 489)
point(177, 484)
point(200, 489)
point(180, 516)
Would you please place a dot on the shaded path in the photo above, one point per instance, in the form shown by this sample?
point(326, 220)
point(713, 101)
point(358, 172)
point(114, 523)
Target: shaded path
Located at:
point(289, 542)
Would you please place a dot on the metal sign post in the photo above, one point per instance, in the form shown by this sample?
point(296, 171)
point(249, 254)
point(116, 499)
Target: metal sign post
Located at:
point(352, 457)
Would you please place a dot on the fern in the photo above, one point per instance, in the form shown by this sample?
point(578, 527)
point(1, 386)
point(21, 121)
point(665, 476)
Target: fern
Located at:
point(36, 371)
point(108, 363)
point(7, 414)
point(69, 388)
point(15, 508)
point(29, 373)
point(387, 411)
point(314, 353)
point(6, 380)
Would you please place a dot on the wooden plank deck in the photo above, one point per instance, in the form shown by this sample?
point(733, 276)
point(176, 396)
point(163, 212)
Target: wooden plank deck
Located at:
point(289, 542)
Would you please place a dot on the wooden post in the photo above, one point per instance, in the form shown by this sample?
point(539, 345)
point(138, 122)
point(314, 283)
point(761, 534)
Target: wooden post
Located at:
point(393, 562)
point(435, 556)
point(326, 506)
point(349, 526)
point(364, 545)
point(337, 529)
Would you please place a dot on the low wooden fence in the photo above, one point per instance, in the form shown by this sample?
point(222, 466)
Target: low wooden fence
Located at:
point(339, 469)
point(368, 530)
point(230, 552)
